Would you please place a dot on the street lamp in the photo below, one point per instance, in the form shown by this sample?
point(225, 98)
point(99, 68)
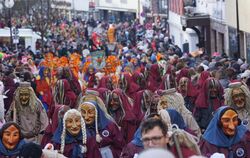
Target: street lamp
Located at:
point(9, 4)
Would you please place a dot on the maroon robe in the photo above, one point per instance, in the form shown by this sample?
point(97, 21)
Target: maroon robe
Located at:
point(132, 87)
point(9, 85)
point(139, 76)
point(183, 73)
point(137, 108)
point(202, 100)
point(69, 95)
point(103, 83)
point(51, 128)
point(92, 149)
point(124, 117)
point(203, 76)
point(154, 78)
point(112, 137)
point(103, 94)
point(130, 150)
point(241, 147)
point(185, 151)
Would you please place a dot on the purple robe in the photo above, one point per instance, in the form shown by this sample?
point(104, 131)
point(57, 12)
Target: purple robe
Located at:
point(125, 118)
point(154, 78)
point(132, 87)
point(9, 85)
point(130, 150)
point(111, 137)
point(241, 147)
point(138, 109)
point(92, 149)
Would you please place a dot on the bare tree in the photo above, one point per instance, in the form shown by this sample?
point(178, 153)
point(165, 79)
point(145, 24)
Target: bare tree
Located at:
point(42, 16)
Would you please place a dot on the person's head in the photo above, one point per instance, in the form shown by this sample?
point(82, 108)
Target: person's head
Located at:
point(31, 150)
point(154, 133)
point(213, 88)
point(156, 152)
point(10, 134)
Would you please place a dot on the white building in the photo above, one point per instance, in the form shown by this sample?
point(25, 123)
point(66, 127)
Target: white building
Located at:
point(27, 36)
point(116, 10)
point(206, 18)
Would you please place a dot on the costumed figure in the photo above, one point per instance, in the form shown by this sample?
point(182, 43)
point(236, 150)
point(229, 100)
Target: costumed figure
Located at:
point(63, 94)
point(179, 133)
point(71, 138)
point(237, 96)
point(225, 134)
point(9, 89)
point(28, 112)
point(209, 99)
point(11, 140)
point(139, 79)
point(188, 91)
point(66, 73)
point(171, 99)
point(142, 104)
point(111, 34)
point(105, 82)
point(101, 126)
point(157, 71)
point(120, 108)
point(127, 84)
point(168, 81)
point(43, 87)
point(89, 77)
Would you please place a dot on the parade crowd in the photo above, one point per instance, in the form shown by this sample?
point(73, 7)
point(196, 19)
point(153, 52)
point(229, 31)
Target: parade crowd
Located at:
point(122, 90)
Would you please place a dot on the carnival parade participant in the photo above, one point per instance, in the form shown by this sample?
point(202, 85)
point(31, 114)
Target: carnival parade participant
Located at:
point(11, 140)
point(225, 134)
point(28, 112)
point(101, 127)
point(237, 96)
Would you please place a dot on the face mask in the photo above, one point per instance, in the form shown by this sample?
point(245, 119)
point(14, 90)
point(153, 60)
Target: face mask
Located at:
point(239, 98)
point(24, 96)
point(229, 121)
point(115, 102)
point(11, 137)
point(88, 113)
point(73, 124)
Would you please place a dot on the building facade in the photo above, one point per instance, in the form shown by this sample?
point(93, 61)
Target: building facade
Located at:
point(199, 24)
point(244, 28)
point(115, 10)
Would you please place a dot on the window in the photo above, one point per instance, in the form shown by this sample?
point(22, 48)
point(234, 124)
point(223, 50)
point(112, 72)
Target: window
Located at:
point(123, 1)
point(109, 1)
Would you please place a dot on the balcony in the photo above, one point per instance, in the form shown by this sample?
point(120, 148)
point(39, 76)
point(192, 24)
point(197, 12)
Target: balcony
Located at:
point(195, 19)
